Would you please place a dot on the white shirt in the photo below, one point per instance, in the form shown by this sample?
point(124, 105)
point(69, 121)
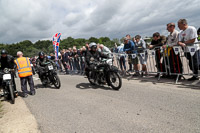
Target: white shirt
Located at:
point(105, 50)
point(189, 34)
point(172, 38)
point(141, 43)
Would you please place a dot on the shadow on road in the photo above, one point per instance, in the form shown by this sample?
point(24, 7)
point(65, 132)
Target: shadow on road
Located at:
point(89, 86)
point(182, 83)
point(40, 86)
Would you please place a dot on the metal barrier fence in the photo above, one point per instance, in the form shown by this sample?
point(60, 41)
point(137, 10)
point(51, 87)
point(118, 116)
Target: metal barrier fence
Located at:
point(172, 61)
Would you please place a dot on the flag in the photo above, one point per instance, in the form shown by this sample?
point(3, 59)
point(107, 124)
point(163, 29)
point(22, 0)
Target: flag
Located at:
point(56, 43)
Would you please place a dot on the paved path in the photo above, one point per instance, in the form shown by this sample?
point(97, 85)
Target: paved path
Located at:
point(142, 106)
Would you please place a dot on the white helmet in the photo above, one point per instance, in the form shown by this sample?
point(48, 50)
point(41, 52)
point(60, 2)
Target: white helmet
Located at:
point(92, 44)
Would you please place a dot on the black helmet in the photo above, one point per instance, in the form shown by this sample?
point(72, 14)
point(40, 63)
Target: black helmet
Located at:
point(4, 51)
point(41, 53)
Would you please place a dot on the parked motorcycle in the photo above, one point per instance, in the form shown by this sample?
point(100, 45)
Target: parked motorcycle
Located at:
point(7, 85)
point(103, 72)
point(49, 76)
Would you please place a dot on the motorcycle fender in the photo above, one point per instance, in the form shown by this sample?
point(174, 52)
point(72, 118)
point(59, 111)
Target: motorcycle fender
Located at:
point(114, 69)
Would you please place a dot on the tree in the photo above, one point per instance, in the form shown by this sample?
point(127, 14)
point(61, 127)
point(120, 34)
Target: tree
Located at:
point(93, 39)
point(116, 40)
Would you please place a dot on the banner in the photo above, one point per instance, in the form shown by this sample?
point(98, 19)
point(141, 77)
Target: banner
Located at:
point(56, 43)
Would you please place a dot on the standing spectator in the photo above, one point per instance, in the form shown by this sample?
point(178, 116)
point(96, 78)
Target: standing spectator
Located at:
point(67, 64)
point(134, 60)
point(70, 54)
point(76, 65)
point(187, 37)
point(59, 64)
point(174, 60)
point(83, 56)
point(105, 50)
point(25, 74)
point(141, 48)
point(63, 60)
point(122, 57)
point(115, 49)
point(156, 43)
point(52, 57)
point(87, 46)
point(198, 32)
point(128, 48)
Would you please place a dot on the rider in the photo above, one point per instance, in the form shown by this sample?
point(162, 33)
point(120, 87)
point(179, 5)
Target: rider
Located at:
point(93, 55)
point(7, 61)
point(41, 63)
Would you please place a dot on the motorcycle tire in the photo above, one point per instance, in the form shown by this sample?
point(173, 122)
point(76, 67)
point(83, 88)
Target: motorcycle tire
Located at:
point(113, 80)
point(90, 79)
point(11, 91)
point(91, 82)
point(56, 82)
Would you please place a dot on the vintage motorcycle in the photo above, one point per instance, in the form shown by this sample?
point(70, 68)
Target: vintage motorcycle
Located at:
point(103, 72)
point(49, 76)
point(7, 84)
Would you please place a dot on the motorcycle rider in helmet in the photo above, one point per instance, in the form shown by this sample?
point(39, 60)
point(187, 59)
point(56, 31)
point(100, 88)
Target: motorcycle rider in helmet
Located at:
point(41, 63)
point(93, 55)
point(7, 61)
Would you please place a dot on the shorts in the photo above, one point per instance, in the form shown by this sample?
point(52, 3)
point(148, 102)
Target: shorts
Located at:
point(135, 60)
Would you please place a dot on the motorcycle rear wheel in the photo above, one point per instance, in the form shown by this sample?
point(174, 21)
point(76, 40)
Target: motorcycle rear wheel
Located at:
point(113, 78)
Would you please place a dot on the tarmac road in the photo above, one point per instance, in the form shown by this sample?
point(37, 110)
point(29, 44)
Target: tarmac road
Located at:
point(140, 106)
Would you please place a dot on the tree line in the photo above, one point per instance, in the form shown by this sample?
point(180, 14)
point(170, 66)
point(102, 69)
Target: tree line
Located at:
point(30, 49)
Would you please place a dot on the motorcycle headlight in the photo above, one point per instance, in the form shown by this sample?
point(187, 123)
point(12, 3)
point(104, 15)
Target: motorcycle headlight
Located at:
point(6, 70)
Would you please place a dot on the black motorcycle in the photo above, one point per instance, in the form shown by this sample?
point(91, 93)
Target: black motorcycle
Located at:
point(103, 72)
point(49, 75)
point(7, 84)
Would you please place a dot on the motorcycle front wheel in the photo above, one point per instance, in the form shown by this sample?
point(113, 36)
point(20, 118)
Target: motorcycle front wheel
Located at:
point(90, 79)
point(56, 82)
point(11, 91)
point(115, 80)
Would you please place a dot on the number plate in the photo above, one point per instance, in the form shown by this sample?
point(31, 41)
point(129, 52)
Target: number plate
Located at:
point(50, 67)
point(6, 76)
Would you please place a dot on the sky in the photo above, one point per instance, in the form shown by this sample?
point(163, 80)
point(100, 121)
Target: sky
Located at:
point(40, 19)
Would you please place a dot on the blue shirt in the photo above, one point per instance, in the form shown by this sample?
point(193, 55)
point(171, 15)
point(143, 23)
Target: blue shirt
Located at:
point(120, 49)
point(130, 46)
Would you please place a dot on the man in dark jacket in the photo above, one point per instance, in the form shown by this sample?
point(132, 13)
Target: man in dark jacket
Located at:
point(41, 63)
point(157, 42)
point(93, 55)
point(129, 49)
point(7, 61)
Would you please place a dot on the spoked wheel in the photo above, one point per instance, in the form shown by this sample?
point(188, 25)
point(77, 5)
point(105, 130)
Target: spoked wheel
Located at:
point(115, 80)
point(11, 92)
point(57, 83)
point(90, 79)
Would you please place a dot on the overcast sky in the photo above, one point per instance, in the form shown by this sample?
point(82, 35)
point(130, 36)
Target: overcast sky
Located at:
point(41, 19)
